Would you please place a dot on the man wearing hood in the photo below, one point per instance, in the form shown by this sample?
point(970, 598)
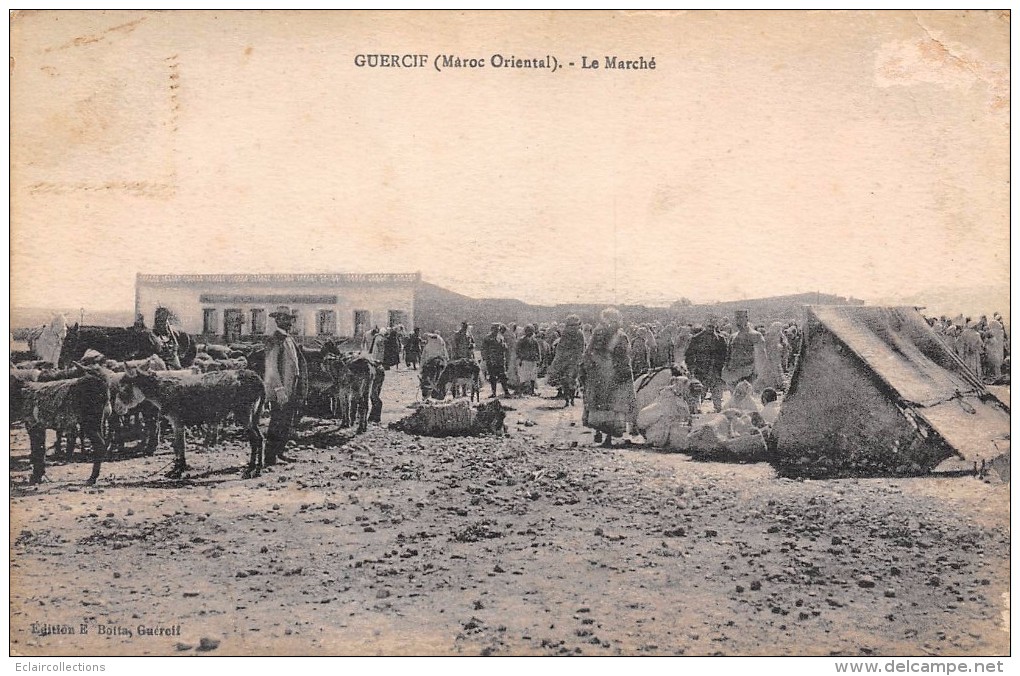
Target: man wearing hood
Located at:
point(462, 347)
point(528, 354)
point(971, 347)
point(565, 368)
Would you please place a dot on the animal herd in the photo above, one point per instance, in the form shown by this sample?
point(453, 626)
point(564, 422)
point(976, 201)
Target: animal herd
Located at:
point(111, 384)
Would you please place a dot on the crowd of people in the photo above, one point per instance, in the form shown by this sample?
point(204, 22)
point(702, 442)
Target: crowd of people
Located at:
point(604, 360)
point(982, 344)
point(715, 358)
point(728, 361)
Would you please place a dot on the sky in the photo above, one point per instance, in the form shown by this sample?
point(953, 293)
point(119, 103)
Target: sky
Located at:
point(856, 153)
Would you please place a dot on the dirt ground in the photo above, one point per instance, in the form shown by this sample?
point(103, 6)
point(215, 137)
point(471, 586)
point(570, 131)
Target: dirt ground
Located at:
point(535, 543)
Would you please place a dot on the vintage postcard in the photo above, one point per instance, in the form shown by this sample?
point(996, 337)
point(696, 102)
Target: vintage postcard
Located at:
point(542, 333)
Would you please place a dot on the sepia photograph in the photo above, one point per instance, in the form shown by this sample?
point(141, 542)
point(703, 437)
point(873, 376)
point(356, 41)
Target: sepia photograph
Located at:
point(511, 333)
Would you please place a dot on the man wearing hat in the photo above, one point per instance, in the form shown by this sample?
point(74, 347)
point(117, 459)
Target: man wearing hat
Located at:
point(705, 357)
point(167, 339)
point(286, 385)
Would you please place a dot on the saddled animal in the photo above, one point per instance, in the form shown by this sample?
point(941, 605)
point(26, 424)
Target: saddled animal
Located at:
point(244, 349)
point(339, 391)
point(142, 423)
point(114, 342)
point(19, 377)
point(648, 385)
point(462, 377)
point(30, 364)
point(66, 406)
point(185, 398)
point(362, 376)
point(18, 356)
point(65, 437)
point(214, 351)
point(324, 369)
point(121, 344)
point(431, 370)
point(25, 375)
point(359, 382)
point(206, 365)
point(257, 361)
point(153, 363)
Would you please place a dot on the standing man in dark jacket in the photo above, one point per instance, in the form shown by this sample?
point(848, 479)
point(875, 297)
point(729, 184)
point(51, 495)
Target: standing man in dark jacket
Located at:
point(412, 348)
point(494, 354)
point(705, 357)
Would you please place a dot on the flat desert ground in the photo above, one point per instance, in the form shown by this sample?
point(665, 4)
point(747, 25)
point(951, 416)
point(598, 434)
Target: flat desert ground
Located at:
point(535, 543)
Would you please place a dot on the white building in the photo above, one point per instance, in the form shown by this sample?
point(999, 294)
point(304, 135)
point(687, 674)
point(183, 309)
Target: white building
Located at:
point(236, 306)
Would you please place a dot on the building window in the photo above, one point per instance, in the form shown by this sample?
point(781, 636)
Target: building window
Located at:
point(258, 322)
point(362, 321)
point(398, 317)
point(209, 321)
point(233, 320)
point(325, 324)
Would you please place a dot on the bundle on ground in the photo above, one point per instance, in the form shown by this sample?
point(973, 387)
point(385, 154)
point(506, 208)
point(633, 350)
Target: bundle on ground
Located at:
point(455, 418)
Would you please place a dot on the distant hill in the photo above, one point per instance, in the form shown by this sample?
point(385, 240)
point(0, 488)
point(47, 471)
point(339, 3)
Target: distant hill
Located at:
point(437, 309)
point(442, 310)
point(969, 301)
point(27, 317)
point(761, 310)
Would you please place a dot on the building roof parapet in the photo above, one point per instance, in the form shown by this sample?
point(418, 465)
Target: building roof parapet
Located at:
point(334, 279)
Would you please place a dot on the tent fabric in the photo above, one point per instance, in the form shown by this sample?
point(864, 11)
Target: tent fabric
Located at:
point(921, 374)
point(902, 350)
point(975, 429)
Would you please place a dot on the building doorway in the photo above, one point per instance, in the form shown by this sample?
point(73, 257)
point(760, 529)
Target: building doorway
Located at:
point(325, 323)
point(258, 322)
point(209, 321)
point(362, 322)
point(233, 320)
point(398, 317)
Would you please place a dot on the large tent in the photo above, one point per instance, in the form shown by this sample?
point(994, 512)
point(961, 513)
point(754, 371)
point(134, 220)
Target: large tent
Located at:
point(876, 391)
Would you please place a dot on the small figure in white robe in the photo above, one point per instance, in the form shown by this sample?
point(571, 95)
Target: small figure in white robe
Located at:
point(665, 422)
point(49, 343)
point(995, 349)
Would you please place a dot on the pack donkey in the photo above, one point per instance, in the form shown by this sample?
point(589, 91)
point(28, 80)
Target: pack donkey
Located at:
point(186, 399)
